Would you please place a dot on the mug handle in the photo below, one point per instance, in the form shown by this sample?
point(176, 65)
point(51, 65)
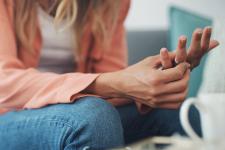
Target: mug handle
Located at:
point(185, 120)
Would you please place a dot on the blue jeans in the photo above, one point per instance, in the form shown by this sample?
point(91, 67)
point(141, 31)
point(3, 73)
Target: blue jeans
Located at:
point(89, 123)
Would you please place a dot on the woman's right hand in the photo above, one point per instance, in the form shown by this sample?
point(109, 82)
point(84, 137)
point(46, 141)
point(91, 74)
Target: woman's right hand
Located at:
point(146, 83)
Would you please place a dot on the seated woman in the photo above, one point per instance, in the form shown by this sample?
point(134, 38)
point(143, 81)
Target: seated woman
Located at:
point(65, 83)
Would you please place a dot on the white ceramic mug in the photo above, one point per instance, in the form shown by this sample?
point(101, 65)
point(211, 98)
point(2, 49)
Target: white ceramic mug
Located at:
point(212, 114)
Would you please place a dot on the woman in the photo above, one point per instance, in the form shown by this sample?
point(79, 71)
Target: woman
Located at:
point(49, 100)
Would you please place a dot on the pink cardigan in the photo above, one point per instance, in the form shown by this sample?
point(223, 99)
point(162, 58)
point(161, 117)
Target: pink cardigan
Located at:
point(22, 86)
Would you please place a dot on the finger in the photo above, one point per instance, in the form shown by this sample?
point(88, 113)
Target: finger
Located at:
point(145, 102)
point(143, 107)
point(176, 86)
point(213, 44)
point(167, 105)
point(181, 54)
point(206, 39)
point(165, 59)
point(174, 74)
point(195, 47)
point(171, 98)
point(170, 106)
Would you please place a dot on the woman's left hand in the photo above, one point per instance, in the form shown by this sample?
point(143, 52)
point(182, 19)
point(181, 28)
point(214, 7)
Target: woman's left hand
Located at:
point(201, 44)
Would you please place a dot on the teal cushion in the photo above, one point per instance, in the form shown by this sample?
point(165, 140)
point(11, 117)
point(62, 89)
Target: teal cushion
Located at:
point(184, 23)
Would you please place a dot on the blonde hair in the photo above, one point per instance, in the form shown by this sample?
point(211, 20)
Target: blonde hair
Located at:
point(100, 14)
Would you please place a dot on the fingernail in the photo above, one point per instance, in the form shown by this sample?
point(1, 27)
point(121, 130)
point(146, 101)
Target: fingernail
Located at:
point(164, 51)
point(183, 37)
point(199, 34)
point(199, 30)
point(183, 40)
point(209, 29)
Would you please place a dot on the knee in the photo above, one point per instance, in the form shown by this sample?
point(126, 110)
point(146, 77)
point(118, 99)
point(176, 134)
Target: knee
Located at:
point(88, 122)
point(87, 109)
point(93, 110)
point(97, 120)
point(103, 123)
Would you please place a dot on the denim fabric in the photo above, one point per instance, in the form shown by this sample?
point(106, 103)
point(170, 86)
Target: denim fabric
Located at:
point(89, 123)
point(159, 122)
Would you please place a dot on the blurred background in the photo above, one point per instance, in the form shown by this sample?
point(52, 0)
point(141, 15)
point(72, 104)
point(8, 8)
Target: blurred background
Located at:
point(153, 14)
point(152, 25)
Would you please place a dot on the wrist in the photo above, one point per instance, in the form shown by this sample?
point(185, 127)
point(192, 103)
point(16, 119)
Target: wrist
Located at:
point(107, 85)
